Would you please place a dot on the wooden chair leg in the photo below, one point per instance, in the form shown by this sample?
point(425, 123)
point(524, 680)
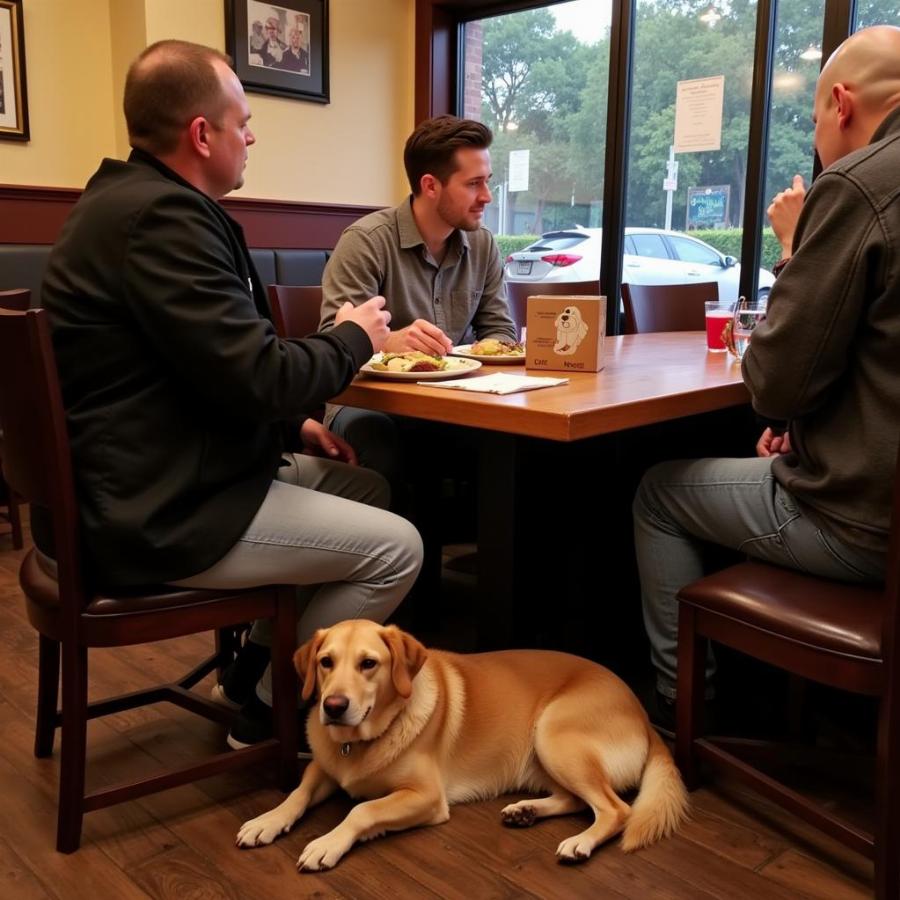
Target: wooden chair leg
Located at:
point(691, 692)
point(285, 693)
point(887, 802)
point(48, 693)
point(74, 737)
point(15, 520)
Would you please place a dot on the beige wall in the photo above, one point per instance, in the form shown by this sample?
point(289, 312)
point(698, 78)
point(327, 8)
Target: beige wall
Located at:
point(70, 99)
point(348, 151)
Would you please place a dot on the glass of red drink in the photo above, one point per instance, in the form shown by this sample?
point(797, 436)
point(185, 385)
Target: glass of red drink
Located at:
point(718, 315)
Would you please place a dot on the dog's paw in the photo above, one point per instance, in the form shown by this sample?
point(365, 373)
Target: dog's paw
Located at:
point(518, 815)
point(575, 849)
point(322, 853)
point(263, 829)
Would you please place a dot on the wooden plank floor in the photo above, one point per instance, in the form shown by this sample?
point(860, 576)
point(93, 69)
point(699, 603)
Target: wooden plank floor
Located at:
point(179, 843)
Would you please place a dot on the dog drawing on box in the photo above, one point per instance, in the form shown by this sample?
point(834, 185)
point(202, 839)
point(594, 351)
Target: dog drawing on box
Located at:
point(571, 330)
point(412, 732)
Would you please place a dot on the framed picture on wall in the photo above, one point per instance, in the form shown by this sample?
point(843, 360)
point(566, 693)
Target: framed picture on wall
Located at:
point(13, 96)
point(280, 47)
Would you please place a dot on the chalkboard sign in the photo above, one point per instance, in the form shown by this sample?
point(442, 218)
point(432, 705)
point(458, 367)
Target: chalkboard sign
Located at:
point(707, 207)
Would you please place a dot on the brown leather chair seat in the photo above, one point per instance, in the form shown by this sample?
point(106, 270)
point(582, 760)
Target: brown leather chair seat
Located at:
point(841, 618)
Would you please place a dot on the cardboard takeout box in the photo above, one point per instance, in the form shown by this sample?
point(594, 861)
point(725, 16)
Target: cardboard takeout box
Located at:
point(565, 333)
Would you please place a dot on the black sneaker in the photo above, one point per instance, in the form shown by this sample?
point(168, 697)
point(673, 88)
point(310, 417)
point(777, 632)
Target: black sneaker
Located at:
point(254, 724)
point(239, 679)
point(661, 711)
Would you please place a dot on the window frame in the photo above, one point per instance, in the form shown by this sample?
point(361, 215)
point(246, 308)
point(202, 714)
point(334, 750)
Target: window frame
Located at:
point(439, 33)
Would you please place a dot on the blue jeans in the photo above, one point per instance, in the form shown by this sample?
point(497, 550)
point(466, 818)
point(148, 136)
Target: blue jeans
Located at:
point(323, 527)
point(736, 503)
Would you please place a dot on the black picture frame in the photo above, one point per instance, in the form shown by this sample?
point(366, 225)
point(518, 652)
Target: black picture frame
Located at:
point(266, 56)
point(13, 85)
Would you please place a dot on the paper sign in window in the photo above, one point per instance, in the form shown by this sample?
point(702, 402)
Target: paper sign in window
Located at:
point(698, 114)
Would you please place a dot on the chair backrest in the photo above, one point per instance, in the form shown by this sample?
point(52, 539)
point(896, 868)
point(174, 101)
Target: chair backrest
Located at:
point(667, 307)
point(37, 460)
point(296, 309)
point(518, 292)
point(19, 299)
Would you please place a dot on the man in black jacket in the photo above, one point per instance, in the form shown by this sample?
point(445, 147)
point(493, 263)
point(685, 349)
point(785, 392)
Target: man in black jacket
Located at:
point(178, 392)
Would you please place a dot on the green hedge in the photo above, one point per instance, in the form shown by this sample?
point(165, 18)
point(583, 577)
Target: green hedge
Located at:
point(726, 240)
point(510, 243)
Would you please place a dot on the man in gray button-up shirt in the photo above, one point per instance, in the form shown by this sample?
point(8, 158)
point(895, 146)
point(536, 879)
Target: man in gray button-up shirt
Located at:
point(431, 258)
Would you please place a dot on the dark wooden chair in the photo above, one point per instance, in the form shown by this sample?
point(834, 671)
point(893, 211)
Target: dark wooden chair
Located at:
point(842, 635)
point(17, 300)
point(667, 307)
point(518, 292)
point(295, 309)
point(71, 615)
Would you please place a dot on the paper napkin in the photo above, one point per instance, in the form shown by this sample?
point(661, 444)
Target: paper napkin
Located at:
point(500, 383)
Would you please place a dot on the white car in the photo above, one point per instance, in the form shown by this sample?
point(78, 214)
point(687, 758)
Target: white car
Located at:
point(652, 256)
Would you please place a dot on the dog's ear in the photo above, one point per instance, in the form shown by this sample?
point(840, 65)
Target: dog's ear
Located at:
point(305, 663)
point(407, 657)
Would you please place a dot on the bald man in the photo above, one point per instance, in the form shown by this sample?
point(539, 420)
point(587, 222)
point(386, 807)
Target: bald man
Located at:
point(825, 361)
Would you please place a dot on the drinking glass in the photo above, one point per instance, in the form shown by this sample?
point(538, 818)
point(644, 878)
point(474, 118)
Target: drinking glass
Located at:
point(747, 315)
point(718, 315)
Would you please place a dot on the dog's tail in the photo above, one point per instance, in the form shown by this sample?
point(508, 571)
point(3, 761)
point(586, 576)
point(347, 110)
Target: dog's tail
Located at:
point(661, 803)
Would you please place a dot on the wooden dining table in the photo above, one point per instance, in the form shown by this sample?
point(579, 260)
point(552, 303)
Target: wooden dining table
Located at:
point(646, 378)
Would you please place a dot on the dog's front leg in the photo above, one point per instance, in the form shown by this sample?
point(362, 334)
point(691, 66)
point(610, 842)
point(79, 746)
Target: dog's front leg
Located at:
point(401, 809)
point(314, 787)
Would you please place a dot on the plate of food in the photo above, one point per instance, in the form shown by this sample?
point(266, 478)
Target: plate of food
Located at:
point(492, 351)
point(417, 366)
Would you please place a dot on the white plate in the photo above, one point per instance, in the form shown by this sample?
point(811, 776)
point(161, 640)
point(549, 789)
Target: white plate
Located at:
point(455, 369)
point(504, 359)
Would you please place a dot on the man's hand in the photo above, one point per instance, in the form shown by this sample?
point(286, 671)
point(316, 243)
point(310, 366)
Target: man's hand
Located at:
point(771, 444)
point(319, 441)
point(371, 316)
point(783, 213)
point(421, 335)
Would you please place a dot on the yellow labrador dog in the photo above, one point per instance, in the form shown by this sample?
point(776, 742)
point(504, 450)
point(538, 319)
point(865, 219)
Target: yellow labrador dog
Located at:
point(413, 731)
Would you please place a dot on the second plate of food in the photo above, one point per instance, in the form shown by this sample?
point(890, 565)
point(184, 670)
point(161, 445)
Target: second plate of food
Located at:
point(492, 352)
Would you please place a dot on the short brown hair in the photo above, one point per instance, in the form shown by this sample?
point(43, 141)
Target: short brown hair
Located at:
point(169, 84)
point(431, 148)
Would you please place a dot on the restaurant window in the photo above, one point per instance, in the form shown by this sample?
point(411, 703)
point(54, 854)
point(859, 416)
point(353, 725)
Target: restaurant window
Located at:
point(877, 12)
point(696, 58)
point(797, 60)
point(539, 79)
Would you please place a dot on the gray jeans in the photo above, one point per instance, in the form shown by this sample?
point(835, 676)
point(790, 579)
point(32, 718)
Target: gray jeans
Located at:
point(734, 503)
point(322, 526)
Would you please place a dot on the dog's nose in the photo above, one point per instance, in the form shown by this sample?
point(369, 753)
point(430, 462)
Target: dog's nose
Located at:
point(335, 705)
point(565, 318)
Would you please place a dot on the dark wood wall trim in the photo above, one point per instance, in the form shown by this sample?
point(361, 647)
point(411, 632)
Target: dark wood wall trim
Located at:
point(304, 226)
point(35, 215)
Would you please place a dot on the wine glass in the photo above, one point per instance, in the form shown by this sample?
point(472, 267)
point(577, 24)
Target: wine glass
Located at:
point(747, 315)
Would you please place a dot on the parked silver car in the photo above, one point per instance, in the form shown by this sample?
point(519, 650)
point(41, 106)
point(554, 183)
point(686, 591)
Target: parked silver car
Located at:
point(652, 256)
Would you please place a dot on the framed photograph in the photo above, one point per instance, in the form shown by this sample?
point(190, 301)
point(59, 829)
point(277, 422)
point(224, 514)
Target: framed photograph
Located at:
point(13, 96)
point(279, 48)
